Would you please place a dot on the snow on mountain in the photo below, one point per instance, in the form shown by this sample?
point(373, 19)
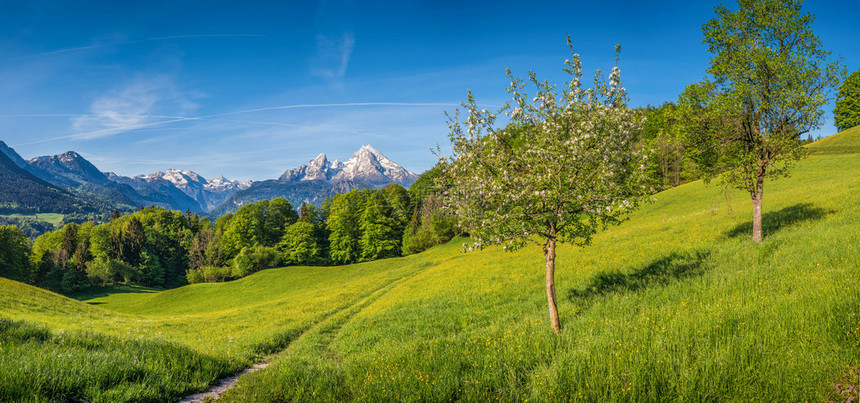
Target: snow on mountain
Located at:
point(207, 193)
point(366, 165)
point(182, 179)
point(221, 183)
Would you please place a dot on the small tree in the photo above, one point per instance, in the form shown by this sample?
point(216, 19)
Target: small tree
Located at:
point(771, 79)
point(565, 166)
point(847, 111)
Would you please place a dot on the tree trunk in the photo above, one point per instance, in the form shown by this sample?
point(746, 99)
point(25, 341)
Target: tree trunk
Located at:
point(756, 199)
point(549, 253)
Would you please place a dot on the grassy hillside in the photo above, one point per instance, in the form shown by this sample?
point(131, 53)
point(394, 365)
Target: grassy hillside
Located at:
point(675, 304)
point(842, 143)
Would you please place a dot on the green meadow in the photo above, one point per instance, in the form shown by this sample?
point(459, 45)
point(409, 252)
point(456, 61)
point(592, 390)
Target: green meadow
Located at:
point(51, 218)
point(676, 304)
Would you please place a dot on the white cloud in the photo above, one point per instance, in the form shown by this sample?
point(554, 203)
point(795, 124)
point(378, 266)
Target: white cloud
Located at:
point(143, 102)
point(332, 57)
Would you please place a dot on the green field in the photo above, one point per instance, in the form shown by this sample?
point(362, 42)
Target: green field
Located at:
point(52, 218)
point(677, 304)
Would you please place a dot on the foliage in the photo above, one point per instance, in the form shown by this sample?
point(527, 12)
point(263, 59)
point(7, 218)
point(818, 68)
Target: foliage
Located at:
point(565, 166)
point(209, 274)
point(379, 238)
point(109, 270)
point(301, 244)
point(253, 259)
point(166, 249)
point(343, 226)
point(261, 223)
point(149, 247)
point(770, 79)
point(31, 226)
point(431, 225)
point(847, 112)
point(665, 133)
point(14, 254)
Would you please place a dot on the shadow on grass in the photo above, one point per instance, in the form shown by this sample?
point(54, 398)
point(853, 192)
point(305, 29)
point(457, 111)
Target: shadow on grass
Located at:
point(657, 273)
point(775, 220)
point(110, 290)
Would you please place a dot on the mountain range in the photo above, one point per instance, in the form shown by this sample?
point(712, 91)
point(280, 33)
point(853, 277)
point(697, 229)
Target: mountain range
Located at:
point(69, 177)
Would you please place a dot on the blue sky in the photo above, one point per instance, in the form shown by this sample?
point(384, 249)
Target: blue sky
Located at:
point(249, 89)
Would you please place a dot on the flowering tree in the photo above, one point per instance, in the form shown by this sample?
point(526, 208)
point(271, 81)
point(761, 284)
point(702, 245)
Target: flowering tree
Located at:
point(565, 165)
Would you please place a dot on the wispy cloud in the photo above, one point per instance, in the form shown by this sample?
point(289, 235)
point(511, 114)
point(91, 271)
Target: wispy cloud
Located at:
point(343, 104)
point(332, 57)
point(132, 107)
point(111, 43)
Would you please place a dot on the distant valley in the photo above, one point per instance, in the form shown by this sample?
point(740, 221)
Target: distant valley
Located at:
point(67, 183)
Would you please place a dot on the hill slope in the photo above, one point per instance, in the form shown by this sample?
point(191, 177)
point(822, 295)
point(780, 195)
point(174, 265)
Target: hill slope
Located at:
point(675, 304)
point(21, 191)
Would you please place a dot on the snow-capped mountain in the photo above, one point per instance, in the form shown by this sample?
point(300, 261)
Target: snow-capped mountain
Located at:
point(208, 194)
point(221, 184)
point(321, 178)
point(367, 165)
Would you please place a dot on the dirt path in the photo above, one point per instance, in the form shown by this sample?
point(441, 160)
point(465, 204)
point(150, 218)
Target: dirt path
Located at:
point(222, 386)
point(330, 324)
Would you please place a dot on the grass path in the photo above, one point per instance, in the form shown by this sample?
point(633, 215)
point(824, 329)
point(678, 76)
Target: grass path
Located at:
point(321, 333)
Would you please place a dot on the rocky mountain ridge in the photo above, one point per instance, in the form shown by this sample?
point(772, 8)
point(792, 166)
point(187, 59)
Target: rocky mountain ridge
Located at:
point(186, 190)
point(366, 165)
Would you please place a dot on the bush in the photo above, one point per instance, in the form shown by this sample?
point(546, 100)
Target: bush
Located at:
point(430, 226)
point(208, 274)
point(108, 270)
point(252, 260)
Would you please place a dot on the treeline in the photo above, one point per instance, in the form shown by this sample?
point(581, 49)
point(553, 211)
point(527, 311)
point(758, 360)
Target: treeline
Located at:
point(161, 248)
point(358, 226)
point(31, 227)
point(673, 133)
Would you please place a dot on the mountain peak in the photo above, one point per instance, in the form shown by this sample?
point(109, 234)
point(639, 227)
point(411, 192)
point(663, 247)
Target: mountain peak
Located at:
point(13, 155)
point(71, 166)
point(366, 165)
point(319, 161)
point(371, 149)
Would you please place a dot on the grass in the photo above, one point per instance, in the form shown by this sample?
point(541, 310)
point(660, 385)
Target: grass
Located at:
point(846, 142)
point(51, 218)
point(677, 304)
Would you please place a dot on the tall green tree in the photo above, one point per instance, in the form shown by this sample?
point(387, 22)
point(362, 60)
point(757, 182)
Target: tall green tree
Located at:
point(343, 226)
point(15, 254)
point(565, 166)
point(260, 223)
point(379, 229)
point(772, 77)
point(847, 112)
point(300, 244)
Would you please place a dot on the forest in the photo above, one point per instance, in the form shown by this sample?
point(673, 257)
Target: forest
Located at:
point(160, 248)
